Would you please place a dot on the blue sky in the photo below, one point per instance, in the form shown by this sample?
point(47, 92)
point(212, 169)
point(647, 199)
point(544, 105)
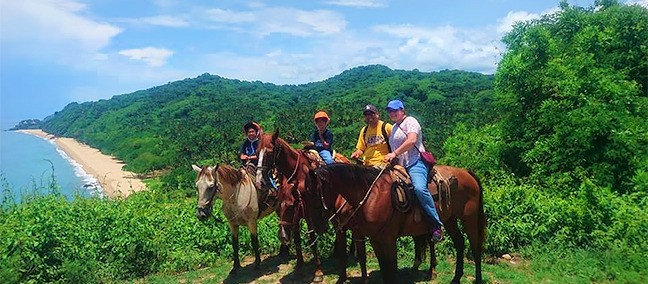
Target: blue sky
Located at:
point(54, 52)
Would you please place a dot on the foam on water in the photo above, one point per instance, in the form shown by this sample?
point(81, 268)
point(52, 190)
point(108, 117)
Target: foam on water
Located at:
point(90, 183)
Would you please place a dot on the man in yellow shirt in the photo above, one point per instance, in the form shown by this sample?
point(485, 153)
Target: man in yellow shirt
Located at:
point(373, 142)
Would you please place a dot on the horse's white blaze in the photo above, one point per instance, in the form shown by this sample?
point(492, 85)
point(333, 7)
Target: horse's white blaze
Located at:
point(259, 164)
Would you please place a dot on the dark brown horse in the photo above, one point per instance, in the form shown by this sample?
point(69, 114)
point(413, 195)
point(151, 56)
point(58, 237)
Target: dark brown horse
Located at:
point(369, 191)
point(296, 166)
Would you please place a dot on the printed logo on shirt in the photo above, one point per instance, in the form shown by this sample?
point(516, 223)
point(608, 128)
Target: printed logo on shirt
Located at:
point(375, 140)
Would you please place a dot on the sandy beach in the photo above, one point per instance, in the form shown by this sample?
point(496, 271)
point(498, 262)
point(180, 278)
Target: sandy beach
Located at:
point(106, 169)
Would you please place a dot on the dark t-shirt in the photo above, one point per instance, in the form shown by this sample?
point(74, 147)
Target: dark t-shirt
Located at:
point(249, 148)
point(319, 146)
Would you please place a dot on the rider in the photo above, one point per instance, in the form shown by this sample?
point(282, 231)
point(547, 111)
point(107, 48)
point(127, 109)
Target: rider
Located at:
point(248, 152)
point(373, 141)
point(407, 144)
point(322, 137)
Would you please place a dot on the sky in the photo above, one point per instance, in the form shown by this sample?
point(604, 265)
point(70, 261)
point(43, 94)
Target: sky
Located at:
point(54, 52)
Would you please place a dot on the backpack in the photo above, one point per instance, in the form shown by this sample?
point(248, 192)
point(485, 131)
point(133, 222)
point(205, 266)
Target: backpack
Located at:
point(384, 133)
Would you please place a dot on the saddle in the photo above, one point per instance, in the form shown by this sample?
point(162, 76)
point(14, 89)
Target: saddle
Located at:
point(402, 191)
point(315, 160)
point(265, 198)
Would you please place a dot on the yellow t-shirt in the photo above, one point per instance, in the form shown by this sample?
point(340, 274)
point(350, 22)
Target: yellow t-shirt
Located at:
point(374, 147)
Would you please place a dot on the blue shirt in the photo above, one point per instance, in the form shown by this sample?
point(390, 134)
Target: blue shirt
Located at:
point(319, 145)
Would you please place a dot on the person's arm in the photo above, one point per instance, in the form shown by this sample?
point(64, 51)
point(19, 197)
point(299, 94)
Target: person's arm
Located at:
point(360, 145)
point(406, 146)
point(328, 139)
point(314, 135)
point(242, 154)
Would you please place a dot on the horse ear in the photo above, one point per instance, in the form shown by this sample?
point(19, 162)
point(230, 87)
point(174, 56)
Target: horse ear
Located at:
point(195, 168)
point(275, 135)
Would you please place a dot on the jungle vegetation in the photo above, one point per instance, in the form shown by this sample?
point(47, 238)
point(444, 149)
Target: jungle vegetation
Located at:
point(558, 136)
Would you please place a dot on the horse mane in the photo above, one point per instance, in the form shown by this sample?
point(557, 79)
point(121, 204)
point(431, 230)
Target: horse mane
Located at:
point(231, 175)
point(351, 172)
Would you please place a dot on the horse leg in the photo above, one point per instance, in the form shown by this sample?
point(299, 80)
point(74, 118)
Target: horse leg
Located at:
point(340, 254)
point(284, 251)
point(361, 251)
point(352, 249)
point(255, 244)
point(433, 261)
point(458, 240)
point(298, 248)
point(235, 246)
point(386, 253)
point(475, 240)
point(319, 275)
point(420, 243)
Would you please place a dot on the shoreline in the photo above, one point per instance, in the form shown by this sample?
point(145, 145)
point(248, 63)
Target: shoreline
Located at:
point(114, 181)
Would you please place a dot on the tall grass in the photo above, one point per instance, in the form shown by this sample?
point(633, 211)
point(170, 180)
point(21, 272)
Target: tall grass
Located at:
point(48, 238)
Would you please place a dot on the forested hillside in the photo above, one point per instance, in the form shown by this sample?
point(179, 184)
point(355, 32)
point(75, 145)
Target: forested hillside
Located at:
point(192, 120)
point(558, 137)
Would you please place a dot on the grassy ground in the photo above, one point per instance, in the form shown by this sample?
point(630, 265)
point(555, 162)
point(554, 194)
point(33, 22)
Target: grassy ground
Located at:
point(277, 270)
point(545, 267)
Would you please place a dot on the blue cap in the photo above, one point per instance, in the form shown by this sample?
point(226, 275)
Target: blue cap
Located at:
point(395, 104)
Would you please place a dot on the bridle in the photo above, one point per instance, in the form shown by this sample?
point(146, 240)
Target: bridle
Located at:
point(298, 204)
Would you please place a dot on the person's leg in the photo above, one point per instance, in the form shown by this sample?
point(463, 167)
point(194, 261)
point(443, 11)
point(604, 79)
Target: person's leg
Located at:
point(418, 173)
point(327, 157)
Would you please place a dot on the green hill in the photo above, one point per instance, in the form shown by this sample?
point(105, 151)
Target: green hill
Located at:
point(201, 118)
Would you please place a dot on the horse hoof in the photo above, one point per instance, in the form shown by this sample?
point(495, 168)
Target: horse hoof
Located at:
point(433, 274)
point(318, 278)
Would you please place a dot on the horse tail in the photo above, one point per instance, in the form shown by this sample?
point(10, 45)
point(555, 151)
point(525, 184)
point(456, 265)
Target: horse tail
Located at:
point(481, 218)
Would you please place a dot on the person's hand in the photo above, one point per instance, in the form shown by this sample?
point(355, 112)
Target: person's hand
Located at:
point(389, 157)
point(245, 157)
point(356, 154)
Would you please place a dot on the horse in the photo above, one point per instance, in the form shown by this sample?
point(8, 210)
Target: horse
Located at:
point(240, 204)
point(368, 190)
point(275, 153)
point(294, 166)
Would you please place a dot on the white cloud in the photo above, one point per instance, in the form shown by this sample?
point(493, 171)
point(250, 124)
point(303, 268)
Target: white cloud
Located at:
point(29, 25)
point(506, 24)
point(643, 3)
point(228, 16)
point(163, 20)
point(358, 3)
point(279, 20)
point(444, 47)
point(153, 56)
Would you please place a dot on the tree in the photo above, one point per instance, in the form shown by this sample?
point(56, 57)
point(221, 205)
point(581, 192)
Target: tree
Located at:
point(574, 89)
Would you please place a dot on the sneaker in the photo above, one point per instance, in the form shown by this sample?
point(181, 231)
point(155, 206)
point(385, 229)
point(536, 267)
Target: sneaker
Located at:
point(437, 235)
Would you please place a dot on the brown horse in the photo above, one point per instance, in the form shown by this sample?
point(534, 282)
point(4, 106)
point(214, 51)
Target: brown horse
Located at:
point(296, 166)
point(369, 191)
point(240, 204)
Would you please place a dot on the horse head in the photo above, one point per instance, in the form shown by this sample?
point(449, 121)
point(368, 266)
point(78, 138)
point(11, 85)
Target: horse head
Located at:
point(316, 198)
point(207, 186)
point(290, 211)
point(268, 151)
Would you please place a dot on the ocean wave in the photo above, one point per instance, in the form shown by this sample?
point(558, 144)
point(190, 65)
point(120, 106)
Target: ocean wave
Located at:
point(90, 183)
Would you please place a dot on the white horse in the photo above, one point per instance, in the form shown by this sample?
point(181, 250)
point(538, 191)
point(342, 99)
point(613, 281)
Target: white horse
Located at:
point(240, 204)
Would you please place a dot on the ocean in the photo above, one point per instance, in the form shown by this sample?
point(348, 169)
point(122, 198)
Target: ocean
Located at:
point(27, 164)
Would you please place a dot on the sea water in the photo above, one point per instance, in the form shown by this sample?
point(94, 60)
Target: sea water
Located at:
point(29, 164)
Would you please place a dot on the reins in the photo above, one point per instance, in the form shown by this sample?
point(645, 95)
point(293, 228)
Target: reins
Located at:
point(342, 224)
